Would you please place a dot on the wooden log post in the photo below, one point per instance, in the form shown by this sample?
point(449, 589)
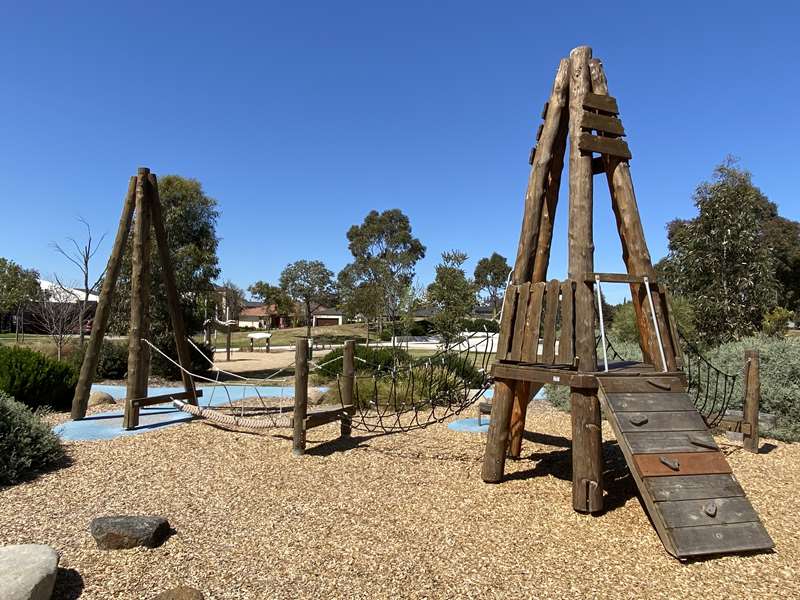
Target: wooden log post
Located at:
point(752, 398)
point(144, 368)
point(587, 455)
point(494, 458)
point(173, 299)
point(81, 399)
point(538, 178)
point(635, 253)
point(138, 304)
point(348, 383)
point(300, 396)
point(523, 394)
point(228, 343)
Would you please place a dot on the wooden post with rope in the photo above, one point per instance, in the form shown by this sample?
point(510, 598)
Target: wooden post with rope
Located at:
point(300, 396)
point(347, 386)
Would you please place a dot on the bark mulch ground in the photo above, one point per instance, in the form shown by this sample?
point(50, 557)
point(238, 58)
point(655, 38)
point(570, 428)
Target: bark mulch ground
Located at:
point(402, 515)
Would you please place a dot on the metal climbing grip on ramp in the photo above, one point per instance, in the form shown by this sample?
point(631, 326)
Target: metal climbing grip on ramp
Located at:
point(687, 485)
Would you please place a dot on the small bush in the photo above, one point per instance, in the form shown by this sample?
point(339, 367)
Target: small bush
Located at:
point(481, 325)
point(385, 335)
point(420, 328)
point(162, 367)
point(376, 359)
point(111, 364)
point(780, 379)
point(36, 380)
point(27, 445)
point(776, 321)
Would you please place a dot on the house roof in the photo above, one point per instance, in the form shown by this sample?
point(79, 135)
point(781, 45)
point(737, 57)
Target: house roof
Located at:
point(324, 311)
point(66, 295)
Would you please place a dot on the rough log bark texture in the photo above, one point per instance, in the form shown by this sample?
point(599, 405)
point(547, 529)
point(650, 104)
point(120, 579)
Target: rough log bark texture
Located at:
point(300, 396)
point(752, 398)
point(144, 368)
point(173, 299)
point(494, 459)
point(537, 180)
point(587, 457)
point(138, 304)
point(105, 302)
point(634, 246)
point(542, 258)
point(348, 382)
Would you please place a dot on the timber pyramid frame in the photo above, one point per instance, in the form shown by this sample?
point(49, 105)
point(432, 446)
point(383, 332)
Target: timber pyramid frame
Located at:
point(548, 335)
point(142, 200)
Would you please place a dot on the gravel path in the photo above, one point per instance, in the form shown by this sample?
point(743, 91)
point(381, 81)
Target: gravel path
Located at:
point(387, 516)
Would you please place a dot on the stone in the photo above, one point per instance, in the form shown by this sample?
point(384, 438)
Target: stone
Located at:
point(28, 571)
point(101, 398)
point(182, 592)
point(119, 532)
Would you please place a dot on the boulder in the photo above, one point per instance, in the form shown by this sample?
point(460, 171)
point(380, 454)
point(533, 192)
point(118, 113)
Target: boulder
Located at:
point(119, 532)
point(100, 398)
point(27, 571)
point(182, 592)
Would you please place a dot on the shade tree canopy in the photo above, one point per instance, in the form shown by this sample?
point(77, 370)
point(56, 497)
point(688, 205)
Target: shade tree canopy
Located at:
point(491, 277)
point(309, 283)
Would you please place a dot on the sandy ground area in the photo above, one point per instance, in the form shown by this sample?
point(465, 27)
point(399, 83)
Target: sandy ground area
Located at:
point(248, 362)
point(382, 516)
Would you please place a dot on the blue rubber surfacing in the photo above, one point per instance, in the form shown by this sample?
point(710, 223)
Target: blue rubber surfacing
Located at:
point(108, 425)
point(471, 425)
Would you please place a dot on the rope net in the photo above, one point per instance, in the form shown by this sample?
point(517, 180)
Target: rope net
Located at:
point(397, 395)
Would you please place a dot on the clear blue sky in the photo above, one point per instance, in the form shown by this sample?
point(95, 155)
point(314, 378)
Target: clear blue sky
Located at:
point(299, 118)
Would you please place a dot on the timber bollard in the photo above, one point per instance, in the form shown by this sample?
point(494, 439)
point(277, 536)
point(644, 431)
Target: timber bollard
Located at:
point(300, 396)
point(752, 399)
point(348, 382)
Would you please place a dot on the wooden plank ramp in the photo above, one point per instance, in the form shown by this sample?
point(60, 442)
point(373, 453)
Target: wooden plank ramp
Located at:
point(688, 488)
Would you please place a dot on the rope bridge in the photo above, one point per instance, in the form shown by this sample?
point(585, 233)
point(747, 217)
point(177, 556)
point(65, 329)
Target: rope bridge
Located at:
point(399, 397)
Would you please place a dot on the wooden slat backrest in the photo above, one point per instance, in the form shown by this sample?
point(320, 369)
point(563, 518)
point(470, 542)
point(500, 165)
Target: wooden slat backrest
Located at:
point(529, 325)
point(552, 293)
point(519, 321)
point(506, 322)
point(566, 341)
point(530, 345)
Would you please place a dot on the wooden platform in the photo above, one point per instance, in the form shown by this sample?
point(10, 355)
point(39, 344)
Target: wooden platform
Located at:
point(687, 485)
point(569, 376)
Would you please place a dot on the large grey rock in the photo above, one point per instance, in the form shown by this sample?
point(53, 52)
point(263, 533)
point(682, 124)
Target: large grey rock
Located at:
point(27, 572)
point(100, 398)
point(182, 592)
point(118, 532)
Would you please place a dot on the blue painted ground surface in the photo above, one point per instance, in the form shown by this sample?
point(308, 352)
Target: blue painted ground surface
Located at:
point(108, 425)
point(471, 425)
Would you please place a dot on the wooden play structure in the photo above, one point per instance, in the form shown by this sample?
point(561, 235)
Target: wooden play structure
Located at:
point(548, 336)
point(142, 207)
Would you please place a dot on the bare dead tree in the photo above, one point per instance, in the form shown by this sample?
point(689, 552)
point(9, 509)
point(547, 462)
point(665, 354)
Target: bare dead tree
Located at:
point(58, 313)
point(81, 255)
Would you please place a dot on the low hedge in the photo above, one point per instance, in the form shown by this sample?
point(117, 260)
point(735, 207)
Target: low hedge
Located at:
point(375, 359)
point(161, 367)
point(780, 379)
point(112, 362)
point(36, 380)
point(27, 445)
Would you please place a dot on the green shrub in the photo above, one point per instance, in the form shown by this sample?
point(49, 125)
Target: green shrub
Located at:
point(385, 335)
point(36, 380)
point(776, 321)
point(111, 364)
point(624, 328)
point(461, 367)
point(375, 359)
point(27, 445)
point(780, 379)
point(420, 328)
point(481, 325)
point(162, 367)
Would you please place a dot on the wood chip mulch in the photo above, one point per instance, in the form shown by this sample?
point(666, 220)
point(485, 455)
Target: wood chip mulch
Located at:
point(391, 516)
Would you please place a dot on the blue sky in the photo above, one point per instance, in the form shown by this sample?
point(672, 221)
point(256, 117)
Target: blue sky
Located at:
point(299, 118)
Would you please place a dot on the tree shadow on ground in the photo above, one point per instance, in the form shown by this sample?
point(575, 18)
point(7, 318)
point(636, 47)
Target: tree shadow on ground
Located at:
point(69, 585)
point(617, 481)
